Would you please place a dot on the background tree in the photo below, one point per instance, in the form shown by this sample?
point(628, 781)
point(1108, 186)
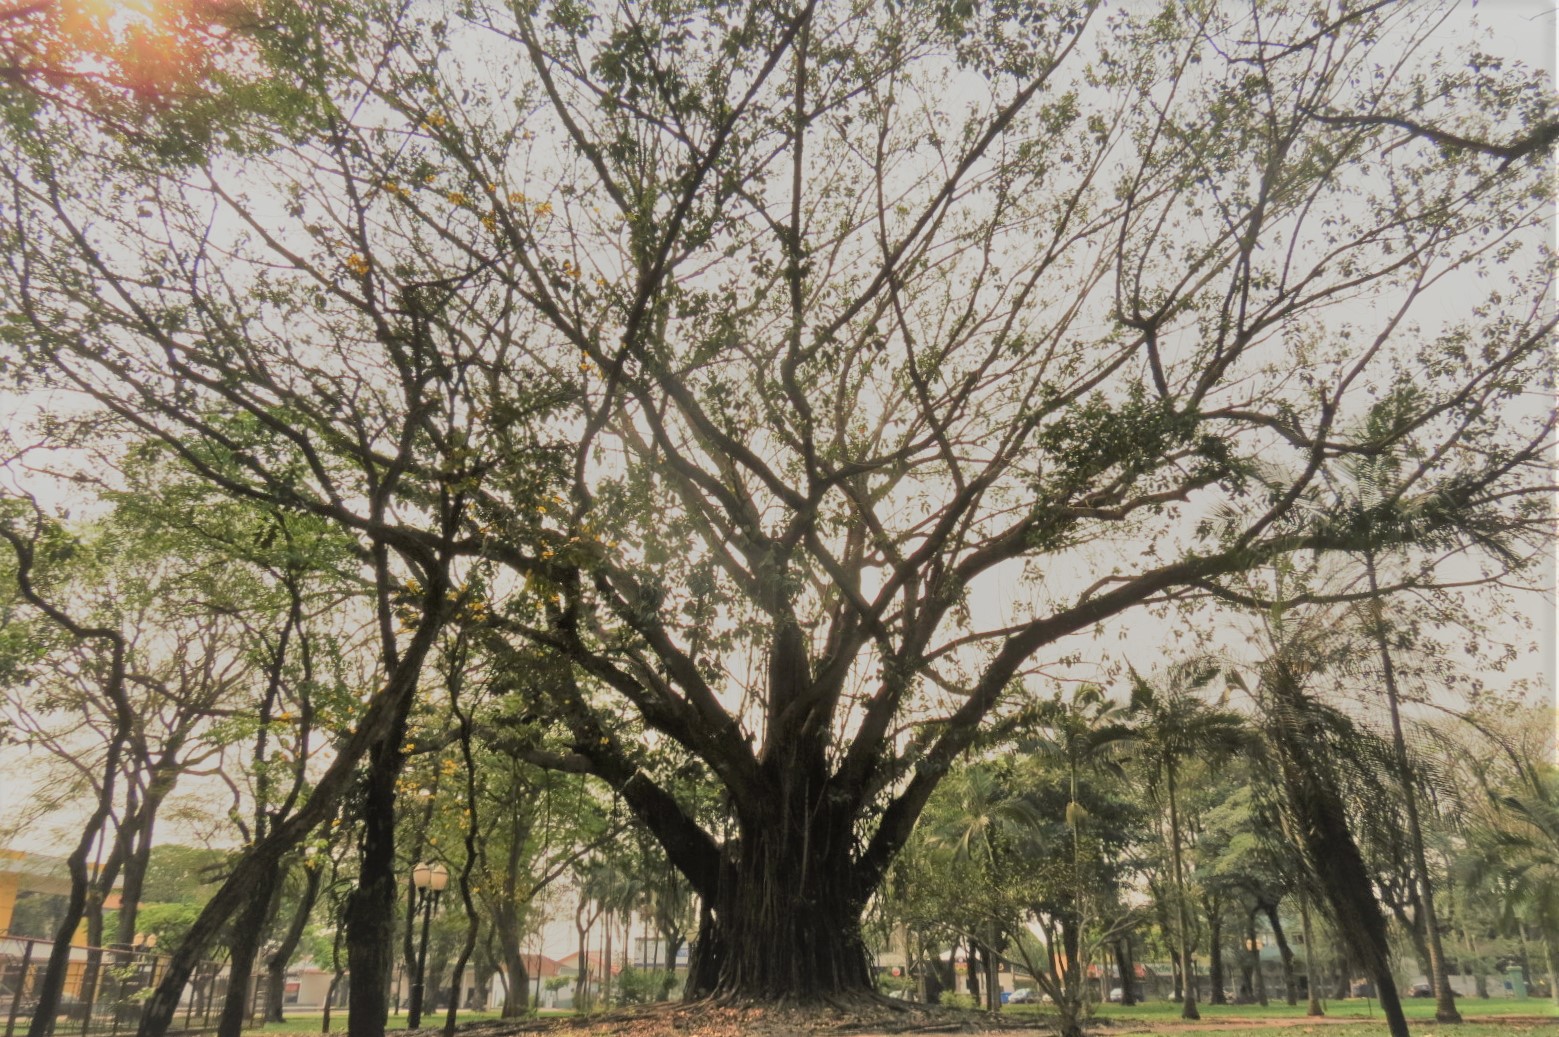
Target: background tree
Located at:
point(1173, 725)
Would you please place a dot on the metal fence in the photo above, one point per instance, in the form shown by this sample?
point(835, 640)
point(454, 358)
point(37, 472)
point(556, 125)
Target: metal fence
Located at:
point(105, 989)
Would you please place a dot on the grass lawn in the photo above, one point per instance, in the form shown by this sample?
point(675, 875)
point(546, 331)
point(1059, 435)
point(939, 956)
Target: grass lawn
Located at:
point(1376, 1028)
point(1472, 1008)
point(1351, 1018)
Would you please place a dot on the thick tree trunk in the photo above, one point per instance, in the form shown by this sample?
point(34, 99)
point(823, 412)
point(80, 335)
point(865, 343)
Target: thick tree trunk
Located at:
point(252, 922)
point(371, 907)
point(516, 978)
point(1215, 954)
point(1128, 971)
point(785, 922)
point(773, 941)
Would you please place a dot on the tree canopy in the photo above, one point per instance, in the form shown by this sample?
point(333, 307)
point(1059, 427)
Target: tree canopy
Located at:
point(715, 364)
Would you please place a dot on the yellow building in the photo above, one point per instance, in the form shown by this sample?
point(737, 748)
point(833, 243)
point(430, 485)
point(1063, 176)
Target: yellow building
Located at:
point(24, 876)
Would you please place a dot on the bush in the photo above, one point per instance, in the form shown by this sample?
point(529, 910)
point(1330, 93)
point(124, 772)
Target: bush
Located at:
point(640, 986)
point(959, 1000)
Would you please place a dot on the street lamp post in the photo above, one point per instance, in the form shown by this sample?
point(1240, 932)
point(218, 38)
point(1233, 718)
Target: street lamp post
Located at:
point(429, 880)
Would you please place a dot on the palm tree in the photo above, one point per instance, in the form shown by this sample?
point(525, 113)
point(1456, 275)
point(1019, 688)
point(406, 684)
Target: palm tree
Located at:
point(985, 808)
point(1512, 840)
point(1173, 724)
point(1373, 498)
point(1306, 741)
point(1083, 733)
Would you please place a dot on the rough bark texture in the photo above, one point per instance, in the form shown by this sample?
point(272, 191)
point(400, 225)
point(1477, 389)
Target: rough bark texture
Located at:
point(782, 929)
point(370, 909)
point(251, 924)
point(783, 921)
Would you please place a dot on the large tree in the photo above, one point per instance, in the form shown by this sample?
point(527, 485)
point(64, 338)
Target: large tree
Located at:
point(754, 346)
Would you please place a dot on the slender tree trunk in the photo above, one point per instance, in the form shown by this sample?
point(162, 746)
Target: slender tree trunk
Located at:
point(1480, 971)
point(606, 961)
point(1552, 960)
point(1346, 883)
point(52, 986)
point(1311, 993)
point(582, 979)
point(473, 920)
point(276, 964)
point(330, 1000)
point(1445, 998)
point(136, 863)
point(1333, 855)
point(1290, 986)
point(1255, 961)
point(1247, 990)
point(1188, 1005)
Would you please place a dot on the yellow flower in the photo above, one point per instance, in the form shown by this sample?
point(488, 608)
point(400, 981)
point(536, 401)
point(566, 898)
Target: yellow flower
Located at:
point(544, 209)
point(357, 264)
point(458, 198)
point(516, 198)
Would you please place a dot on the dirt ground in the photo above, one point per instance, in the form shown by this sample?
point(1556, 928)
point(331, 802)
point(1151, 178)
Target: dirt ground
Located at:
point(870, 1018)
point(704, 1019)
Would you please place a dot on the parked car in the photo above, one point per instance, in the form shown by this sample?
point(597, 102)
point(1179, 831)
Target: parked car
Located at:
point(1024, 996)
point(1421, 990)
